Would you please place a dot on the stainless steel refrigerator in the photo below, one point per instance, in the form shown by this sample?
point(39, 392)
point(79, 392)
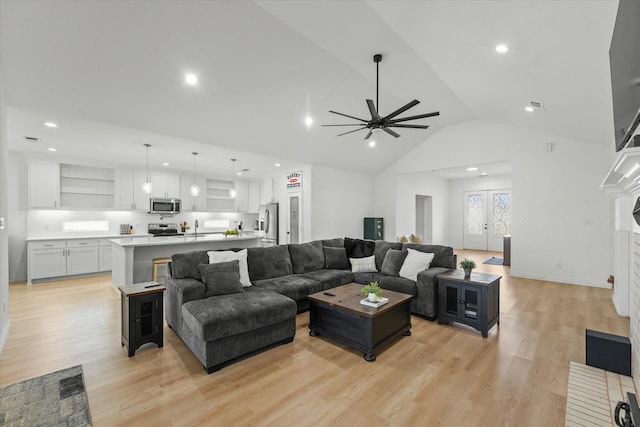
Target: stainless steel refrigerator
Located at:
point(269, 224)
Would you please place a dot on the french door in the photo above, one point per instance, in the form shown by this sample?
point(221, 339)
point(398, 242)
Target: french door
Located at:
point(487, 218)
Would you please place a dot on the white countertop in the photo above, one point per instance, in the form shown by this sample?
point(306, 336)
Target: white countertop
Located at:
point(179, 240)
point(75, 237)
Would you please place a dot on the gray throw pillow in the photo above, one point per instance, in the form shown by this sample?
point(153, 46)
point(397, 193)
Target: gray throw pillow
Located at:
point(221, 278)
point(185, 265)
point(336, 258)
point(393, 261)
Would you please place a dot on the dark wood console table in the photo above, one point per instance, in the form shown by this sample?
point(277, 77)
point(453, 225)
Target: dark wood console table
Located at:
point(473, 301)
point(142, 315)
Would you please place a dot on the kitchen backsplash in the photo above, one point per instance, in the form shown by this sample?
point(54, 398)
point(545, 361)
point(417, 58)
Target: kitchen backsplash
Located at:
point(50, 223)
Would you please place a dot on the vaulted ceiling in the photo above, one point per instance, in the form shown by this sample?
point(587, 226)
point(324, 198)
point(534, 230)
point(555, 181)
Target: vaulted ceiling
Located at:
point(112, 75)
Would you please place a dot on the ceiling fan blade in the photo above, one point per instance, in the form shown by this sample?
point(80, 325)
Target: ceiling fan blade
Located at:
point(351, 131)
point(346, 115)
point(410, 126)
point(369, 134)
point(372, 110)
point(353, 124)
point(390, 132)
point(402, 109)
point(419, 116)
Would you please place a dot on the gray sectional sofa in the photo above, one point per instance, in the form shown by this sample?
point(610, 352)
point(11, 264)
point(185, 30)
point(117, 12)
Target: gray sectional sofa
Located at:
point(224, 328)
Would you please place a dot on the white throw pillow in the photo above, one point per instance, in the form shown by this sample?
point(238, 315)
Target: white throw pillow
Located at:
point(363, 264)
point(225, 256)
point(414, 263)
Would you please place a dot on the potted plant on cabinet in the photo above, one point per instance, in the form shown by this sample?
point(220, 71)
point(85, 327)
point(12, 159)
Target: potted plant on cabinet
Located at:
point(467, 265)
point(372, 291)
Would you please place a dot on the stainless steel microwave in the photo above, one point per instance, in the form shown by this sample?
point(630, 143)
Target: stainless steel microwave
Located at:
point(164, 206)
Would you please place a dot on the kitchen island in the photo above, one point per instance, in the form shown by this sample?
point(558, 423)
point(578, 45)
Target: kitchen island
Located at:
point(132, 257)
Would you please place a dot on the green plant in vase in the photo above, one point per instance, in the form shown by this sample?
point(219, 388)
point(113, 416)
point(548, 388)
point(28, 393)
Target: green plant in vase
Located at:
point(467, 265)
point(372, 290)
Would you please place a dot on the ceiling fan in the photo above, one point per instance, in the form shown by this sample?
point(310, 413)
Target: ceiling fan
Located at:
point(388, 121)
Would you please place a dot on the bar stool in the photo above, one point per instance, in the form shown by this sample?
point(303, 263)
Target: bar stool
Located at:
point(158, 262)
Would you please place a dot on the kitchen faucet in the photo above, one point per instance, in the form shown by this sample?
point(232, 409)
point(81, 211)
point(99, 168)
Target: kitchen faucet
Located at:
point(195, 226)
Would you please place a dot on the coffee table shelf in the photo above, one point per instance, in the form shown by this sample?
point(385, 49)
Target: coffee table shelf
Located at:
point(342, 318)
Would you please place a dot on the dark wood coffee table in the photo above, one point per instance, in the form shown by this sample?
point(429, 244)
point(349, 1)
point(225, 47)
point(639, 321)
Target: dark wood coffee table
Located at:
point(342, 318)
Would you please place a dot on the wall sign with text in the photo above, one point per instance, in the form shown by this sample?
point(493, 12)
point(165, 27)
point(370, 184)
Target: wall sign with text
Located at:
point(294, 180)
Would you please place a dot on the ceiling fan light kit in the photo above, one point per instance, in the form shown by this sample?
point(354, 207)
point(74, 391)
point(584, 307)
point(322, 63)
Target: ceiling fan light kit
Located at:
point(388, 121)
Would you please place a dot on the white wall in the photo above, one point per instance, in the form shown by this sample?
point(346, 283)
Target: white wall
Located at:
point(457, 188)
point(4, 238)
point(561, 228)
point(340, 201)
point(18, 200)
point(424, 184)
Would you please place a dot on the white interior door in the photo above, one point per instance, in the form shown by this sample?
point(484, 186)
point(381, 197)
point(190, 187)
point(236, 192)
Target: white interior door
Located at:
point(487, 218)
point(475, 220)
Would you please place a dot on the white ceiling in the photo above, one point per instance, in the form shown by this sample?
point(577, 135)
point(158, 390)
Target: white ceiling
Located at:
point(111, 74)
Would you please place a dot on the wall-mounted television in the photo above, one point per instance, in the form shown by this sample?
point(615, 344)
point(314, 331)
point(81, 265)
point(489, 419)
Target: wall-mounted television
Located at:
point(624, 60)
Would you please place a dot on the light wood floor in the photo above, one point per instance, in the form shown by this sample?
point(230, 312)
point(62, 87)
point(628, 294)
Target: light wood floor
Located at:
point(440, 375)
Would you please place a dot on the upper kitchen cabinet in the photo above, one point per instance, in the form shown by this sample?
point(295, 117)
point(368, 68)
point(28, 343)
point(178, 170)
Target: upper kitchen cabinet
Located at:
point(266, 191)
point(242, 196)
point(86, 187)
point(129, 194)
point(193, 203)
point(165, 184)
point(44, 179)
point(254, 197)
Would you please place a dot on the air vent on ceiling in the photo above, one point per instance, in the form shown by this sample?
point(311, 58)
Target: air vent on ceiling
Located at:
point(31, 139)
point(537, 104)
point(245, 170)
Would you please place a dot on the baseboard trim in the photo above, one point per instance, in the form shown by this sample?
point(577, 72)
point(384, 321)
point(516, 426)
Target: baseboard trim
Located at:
point(559, 279)
point(4, 335)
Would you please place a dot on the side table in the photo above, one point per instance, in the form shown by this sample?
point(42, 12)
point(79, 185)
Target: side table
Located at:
point(142, 315)
point(473, 301)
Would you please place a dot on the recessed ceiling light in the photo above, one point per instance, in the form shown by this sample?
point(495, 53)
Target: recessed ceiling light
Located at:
point(277, 165)
point(502, 48)
point(308, 121)
point(51, 149)
point(372, 143)
point(239, 173)
point(165, 164)
point(191, 79)
point(472, 169)
point(529, 108)
point(483, 174)
point(51, 125)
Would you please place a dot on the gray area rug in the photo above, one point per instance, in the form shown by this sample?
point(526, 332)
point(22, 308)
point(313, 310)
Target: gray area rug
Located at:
point(55, 399)
point(494, 261)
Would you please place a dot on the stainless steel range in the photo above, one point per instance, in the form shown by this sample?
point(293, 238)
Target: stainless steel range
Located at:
point(157, 229)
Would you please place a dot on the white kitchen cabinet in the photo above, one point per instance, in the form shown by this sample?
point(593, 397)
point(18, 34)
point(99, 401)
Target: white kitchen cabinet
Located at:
point(82, 260)
point(266, 191)
point(242, 196)
point(254, 197)
point(44, 179)
point(189, 202)
point(165, 184)
point(47, 259)
point(57, 258)
point(129, 193)
point(104, 256)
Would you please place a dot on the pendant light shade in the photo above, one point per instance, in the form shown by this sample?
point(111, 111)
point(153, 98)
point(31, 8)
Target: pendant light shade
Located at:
point(147, 186)
point(232, 192)
point(195, 190)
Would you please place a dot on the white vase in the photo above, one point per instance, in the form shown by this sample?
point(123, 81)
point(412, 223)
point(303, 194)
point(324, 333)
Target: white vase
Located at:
point(373, 297)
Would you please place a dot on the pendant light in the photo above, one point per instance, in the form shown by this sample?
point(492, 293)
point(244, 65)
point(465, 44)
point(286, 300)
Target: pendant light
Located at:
point(147, 186)
point(195, 190)
point(232, 192)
